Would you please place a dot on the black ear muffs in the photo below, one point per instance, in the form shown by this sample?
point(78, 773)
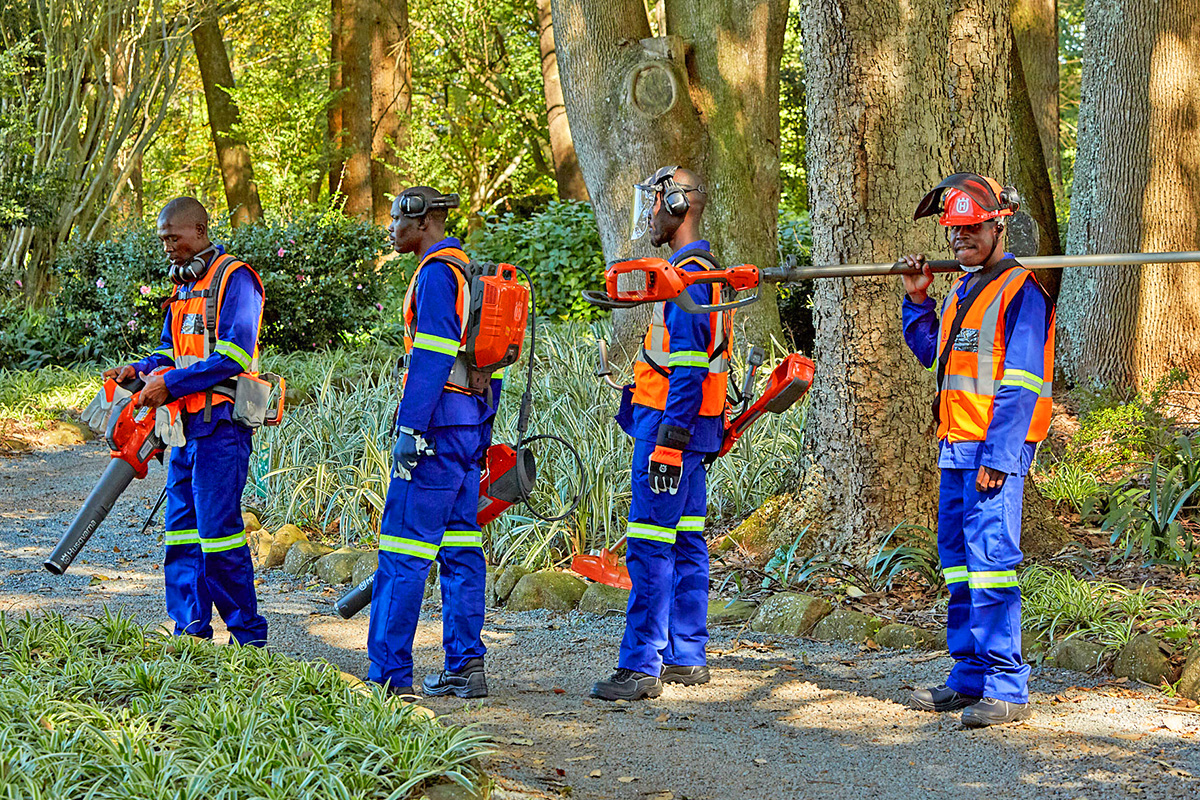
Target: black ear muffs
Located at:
point(191, 270)
point(415, 205)
point(1009, 198)
point(674, 195)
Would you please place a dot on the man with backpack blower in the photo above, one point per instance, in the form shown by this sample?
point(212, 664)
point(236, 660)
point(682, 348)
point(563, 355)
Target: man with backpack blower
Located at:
point(675, 413)
point(994, 351)
point(443, 430)
point(209, 338)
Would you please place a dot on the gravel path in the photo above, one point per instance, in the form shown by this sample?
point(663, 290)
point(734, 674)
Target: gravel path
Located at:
point(783, 717)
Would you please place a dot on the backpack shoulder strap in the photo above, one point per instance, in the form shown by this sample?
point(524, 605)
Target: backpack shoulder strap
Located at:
point(985, 278)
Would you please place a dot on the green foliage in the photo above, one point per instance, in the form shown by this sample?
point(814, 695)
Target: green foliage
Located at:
point(318, 271)
point(795, 302)
point(914, 552)
point(559, 247)
point(1070, 483)
point(793, 120)
point(47, 392)
point(108, 709)
point(1148, 521)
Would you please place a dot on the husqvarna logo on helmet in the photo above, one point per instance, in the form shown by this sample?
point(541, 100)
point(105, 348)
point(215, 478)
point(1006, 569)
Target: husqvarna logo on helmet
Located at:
point(962, 205)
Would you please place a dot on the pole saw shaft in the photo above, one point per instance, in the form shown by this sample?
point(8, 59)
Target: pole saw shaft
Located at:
point(805, 273)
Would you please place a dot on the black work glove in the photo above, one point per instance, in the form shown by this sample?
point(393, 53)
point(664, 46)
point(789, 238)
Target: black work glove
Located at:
point(410, 447)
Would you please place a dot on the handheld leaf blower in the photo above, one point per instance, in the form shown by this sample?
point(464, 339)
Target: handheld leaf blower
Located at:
point(507, 479)
point(133, 443)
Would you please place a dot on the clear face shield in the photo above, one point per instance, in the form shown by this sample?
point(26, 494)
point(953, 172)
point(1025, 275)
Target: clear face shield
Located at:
point(642, 208)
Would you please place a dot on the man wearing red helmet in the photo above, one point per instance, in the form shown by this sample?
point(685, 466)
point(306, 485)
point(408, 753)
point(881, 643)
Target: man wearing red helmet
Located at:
point(994, 350)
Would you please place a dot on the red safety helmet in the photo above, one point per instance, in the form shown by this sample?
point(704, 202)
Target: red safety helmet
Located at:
point(966, 199)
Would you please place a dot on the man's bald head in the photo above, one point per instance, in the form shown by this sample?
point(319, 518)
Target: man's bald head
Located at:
point(693, 184)
point(678, 229)
point(183, 229)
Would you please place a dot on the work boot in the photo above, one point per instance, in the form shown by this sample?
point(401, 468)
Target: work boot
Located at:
point(941, 698)
point(626, 684)
point(469, 682)
point(990, 711)
point(688, 676)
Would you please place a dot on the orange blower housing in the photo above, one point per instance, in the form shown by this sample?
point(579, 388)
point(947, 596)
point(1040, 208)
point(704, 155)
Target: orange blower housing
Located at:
point(496, 323)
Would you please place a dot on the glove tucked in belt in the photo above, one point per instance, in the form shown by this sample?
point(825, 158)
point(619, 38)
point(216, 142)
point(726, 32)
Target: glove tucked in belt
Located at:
point(666, 462)
point(410, 446)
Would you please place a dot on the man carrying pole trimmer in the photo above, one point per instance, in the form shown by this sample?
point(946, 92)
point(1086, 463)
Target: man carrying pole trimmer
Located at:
point(994, 351)
point(675, 414)
point(210, 337)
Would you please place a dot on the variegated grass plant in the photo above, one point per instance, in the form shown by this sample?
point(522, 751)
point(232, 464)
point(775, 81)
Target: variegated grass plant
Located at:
point(107, 709)
point(330, 460)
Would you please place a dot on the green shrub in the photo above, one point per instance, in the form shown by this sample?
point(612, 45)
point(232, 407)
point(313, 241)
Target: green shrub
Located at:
point(559, 247)
point(107, 709)
point(1119, 427)
point(795, 302)
point(318, 271)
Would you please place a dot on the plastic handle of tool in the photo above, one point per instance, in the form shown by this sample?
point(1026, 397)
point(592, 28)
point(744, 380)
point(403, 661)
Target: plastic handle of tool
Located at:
point(804, 273)
point(281, 385)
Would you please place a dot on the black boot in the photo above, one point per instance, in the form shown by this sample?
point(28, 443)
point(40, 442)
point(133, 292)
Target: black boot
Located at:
point(688, 676)
point(625, 684)
point(990, 711)
point(941, 698)
point(469, 682)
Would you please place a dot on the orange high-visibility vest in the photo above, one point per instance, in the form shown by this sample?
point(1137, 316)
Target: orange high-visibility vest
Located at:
point(975, 371)
point(652, 369)
point(459, 373)
point(195, 320)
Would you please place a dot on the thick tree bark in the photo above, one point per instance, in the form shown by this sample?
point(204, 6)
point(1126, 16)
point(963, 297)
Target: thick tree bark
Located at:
point(391, 102)
point(1030, 174)
point(705, 97)
point(358, 19)
point(868, 66)
point(567, 173)
point(334, 112)
point(1136, 188)
point(1035, 35)
point(233, 156)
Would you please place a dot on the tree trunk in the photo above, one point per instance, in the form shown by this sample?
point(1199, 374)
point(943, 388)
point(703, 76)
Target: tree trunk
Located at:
point(391, 103)
point(233, 156)
point(705, 97)
point(867, 66)
point(567, 173)
point(358, 18)
point(1035, 36)
point(1030, 175)
point(334, 123)
point(1136, 188)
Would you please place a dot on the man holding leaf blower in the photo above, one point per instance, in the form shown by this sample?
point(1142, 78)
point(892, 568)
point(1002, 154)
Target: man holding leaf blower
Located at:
point(994, 351)
point(675, 414)
point(210, 336)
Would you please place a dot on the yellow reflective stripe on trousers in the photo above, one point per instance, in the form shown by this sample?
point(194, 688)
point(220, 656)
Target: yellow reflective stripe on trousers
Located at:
point(955, 574)
point(1019, 377)
point(688, 358)
point(462, 539)
point(657, 533)
point(408, 547)
point(236, 353)
point(182, 537)
point(690, 524)
point(224, 543)
point(999, 579)
point(438, 344)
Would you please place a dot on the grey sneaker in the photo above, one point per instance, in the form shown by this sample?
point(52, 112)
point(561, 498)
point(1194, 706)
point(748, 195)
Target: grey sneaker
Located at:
point(688, 676)
point(470, 682)
point(626, 684)
point(940, 698)
point(990, 711)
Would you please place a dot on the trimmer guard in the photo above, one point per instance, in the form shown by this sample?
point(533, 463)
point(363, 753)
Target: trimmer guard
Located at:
point(604, 568)
point(788, 383)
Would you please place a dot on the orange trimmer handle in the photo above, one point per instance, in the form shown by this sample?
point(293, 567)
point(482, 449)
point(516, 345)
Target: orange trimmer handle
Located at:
point(278, 418)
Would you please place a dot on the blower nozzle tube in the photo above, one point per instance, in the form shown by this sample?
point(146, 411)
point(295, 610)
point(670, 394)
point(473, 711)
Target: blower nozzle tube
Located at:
point(356, 599)
point(117, 476)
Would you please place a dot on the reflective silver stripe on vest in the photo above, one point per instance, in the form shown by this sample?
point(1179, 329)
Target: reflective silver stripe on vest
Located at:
point(659, 354)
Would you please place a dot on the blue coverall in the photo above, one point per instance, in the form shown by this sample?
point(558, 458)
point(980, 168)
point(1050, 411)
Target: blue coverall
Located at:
point(979, 534)
point(207, 560)
point(667, 617)
point(433, 514)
